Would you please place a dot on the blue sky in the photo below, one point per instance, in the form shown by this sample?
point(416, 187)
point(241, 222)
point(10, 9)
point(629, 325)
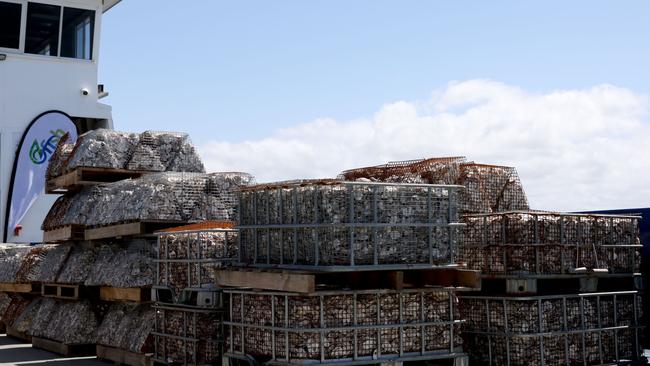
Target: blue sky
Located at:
point(300, 89)
point(240, 69)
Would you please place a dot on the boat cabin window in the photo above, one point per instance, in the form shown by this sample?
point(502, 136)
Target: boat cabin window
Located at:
point(56, 31)
point(42, 34)
point(10, 24)
point(77, 33)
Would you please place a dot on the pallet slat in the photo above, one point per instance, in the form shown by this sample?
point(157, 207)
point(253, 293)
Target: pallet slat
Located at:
point(24, 288)
point(120, 356)
point(64, 349)
point(127, 229)
point(114, 231)
point(84, 176)
point(279, 281)
point(306, 282)
point(63, 234)
point(135, 294)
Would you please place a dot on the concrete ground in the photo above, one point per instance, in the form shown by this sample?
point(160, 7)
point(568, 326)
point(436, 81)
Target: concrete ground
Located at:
point(13, 352)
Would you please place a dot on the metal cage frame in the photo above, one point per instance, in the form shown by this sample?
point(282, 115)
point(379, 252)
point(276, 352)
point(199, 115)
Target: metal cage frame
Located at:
point(540, 333)
point(261, 252)
point(195, 261)
point(454, 350)
point(189, 340)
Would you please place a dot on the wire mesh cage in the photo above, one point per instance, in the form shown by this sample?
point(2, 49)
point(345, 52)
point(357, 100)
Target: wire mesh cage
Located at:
point(59, 159)
point(187, 259)
point(157, 197)
point(127, 326)
point(488, 188)
point(150, 151)
point(443, 170)
point(336, 223)
point(187, 336)
point(589, 329)
point(342, 326)
point(119, 263)
point(13, 306)
point(11, 260)
point(538, 243)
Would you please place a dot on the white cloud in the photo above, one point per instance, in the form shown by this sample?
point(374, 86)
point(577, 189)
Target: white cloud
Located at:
point(574, 149)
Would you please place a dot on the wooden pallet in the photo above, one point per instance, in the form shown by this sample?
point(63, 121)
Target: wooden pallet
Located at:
point(123, 357)
point(22, 288)
point(307, 282)
point(139, 228)
point(84, 176)
point(69, 291)
point(133, 294)
point(64, 234)
point(64, 349)
point(21, 336)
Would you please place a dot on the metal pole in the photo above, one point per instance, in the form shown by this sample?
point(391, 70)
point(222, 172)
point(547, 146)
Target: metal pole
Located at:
point(375, 217)
point(430, 229)
point(294, 208)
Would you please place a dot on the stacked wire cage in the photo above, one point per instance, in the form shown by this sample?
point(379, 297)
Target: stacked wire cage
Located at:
point(575, 329)
point(557, 288)
point(189, 305)
point(333, 226)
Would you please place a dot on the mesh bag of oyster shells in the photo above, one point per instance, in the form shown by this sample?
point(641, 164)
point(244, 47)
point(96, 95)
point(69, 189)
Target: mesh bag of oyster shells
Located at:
point(149, 151)
point(36, 262)
point(59, 159)
point(14, 308)
point(169, 197)
point(188, 259)
point(68, 322)
point(335, 325)
point(188, 336)
point(489, 188)
point(509, 329)
point(128, 327)
point(550, 243)
point(122, 264)
point(51, 264)
point(329, 222)
point(78, 265)
point(11, 259)
point(24, 321)
point(5, 300)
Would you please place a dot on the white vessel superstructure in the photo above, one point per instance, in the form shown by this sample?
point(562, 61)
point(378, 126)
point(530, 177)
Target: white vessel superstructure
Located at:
point(49, 53)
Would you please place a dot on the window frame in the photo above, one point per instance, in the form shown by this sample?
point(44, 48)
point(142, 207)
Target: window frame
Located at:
point(93, 34)
point(23, 23)
point(63, 4)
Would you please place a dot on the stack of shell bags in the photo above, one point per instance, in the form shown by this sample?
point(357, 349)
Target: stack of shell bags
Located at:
point(171, 197)
point(109, 149)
